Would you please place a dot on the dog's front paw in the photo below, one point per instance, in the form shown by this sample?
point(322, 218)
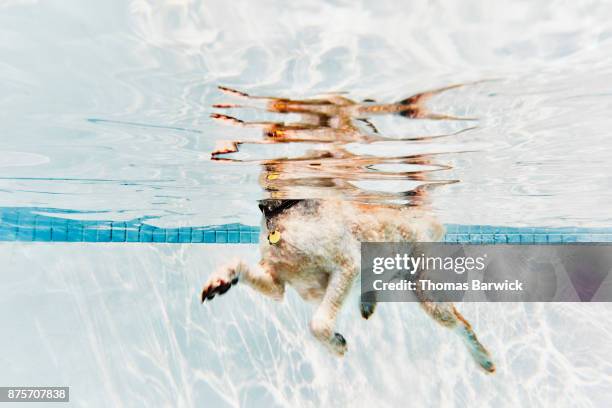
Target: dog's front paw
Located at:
point(216, 286)
point(221, 281)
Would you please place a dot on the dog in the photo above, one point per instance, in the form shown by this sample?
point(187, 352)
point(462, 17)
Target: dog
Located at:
point(313, 244)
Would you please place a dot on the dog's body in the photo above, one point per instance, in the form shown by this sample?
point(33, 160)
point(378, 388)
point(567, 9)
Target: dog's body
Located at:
point(317, 253)
point(313, 245)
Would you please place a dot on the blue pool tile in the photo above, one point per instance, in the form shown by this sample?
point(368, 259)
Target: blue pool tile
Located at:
point(488, 229)
point(172, 235)
point(25, 234)
point(463, 238)
point(59, 229)
point(513, 238)
point(90, 233)
point(74, 231)
point(9, 218)
point(118, 231)
point(221, 237)
point(184, 235)
point(564, 230)
point(209, 237)
point(458, 229)
point(568, 238)
point(104, 232)
point(525, 231)
point(24, 225)
point(25, 231)
point(505, 230)
point(452, 229)
point(9, 225)
point(233, 237)
point(501, 238)
point(254, 237)
point(474, 229)
point(42, 230)
point(527, 239)
point(197, 235)
point(8, 232)
point(146, 233)
point(475, 239)
point(488, 238)
point(600, 230)
point(132, 233)
point(600, 237)
point(159, 235)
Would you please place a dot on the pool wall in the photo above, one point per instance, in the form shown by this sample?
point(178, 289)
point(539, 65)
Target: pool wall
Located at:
point(42, 225)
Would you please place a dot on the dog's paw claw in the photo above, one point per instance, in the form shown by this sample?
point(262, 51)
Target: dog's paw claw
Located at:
point(222, 280)
point(216, 287)
point(488, 366)
point(208, 294)
point(367, 309)
point(224, 288)
point(338, 343)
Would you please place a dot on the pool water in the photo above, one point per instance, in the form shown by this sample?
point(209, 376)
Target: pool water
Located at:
point(105, 111)
point(106, 107)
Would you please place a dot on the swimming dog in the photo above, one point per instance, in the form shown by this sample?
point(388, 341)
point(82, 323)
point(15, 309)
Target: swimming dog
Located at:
point(313, 245)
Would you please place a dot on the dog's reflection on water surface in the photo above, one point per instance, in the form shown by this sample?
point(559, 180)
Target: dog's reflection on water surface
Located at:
point(317, 214)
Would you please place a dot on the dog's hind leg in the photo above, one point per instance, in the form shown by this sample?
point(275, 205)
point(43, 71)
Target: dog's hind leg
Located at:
point(448, 316)
point(257, 277)
point(477, 350)
point(324, 319)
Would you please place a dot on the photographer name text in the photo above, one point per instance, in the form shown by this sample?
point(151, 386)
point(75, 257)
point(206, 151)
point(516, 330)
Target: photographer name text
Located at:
point(427, 285)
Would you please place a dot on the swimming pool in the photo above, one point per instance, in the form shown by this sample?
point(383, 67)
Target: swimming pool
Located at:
point(105, 110)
